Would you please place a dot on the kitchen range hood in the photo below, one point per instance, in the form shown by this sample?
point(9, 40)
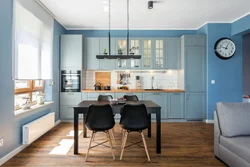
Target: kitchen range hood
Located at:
point(119, 56)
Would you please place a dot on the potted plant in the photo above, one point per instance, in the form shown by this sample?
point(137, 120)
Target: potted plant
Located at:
point(131, 51)
point(105, 51)
point(120, 51)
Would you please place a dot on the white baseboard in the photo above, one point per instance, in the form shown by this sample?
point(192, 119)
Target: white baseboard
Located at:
point(12, 154)
point(18, 150)
point(57, 122)
point(209, 121)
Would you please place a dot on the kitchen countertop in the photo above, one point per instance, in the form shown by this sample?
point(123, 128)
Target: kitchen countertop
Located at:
point(134, 90)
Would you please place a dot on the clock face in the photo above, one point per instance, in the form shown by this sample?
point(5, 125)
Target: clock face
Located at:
point(224, 48)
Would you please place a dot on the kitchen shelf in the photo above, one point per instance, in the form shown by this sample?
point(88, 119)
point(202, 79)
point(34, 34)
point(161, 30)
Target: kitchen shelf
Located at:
point(118, 56)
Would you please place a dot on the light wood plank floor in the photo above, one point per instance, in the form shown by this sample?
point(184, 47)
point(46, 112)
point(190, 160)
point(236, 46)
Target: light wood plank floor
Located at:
point(188, 144)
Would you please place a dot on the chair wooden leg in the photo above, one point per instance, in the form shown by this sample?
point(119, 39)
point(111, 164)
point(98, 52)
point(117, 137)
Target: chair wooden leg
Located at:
point(145, 145)
point(124, 144)
point(123, 134)
point(109, 132)
point(110, 143)
point(91, 139)
point(112, 133)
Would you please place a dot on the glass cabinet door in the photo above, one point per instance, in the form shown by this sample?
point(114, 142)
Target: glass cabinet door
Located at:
point(121, 49)
point(159, 54)
point(135, 49)
point(147, 53)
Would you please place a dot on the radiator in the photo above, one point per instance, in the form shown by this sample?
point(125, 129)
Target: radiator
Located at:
point(37, 128)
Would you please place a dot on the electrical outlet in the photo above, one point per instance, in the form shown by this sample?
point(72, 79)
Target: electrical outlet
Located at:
point(1, 142)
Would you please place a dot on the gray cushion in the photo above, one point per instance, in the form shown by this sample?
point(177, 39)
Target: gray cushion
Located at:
point(234, 118)
point(238, 145)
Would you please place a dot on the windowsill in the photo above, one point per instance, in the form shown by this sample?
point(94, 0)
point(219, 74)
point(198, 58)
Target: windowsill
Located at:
point(32, 108)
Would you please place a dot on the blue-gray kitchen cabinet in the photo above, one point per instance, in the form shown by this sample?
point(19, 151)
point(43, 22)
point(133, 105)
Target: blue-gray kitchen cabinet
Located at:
point(160, 99)
point(173, 53)
point(107, 64)
point(195, 106)
point(91, 49)
point(176, 106)
point(71, 52)
point(195, 69)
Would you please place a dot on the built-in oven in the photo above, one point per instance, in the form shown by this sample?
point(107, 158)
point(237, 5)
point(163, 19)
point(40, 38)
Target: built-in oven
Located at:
point(70, 81)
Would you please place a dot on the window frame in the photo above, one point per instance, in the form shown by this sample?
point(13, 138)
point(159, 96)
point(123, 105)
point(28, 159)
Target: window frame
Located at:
point(31, 88)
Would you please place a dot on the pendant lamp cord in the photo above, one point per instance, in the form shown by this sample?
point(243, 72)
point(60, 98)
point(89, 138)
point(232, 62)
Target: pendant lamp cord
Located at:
point(109, 32)
point(127, 27)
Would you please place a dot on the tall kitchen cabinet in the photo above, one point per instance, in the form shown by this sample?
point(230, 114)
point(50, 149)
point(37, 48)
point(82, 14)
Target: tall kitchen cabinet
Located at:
point(71, 59)
point(193, 53)
point(71, 52)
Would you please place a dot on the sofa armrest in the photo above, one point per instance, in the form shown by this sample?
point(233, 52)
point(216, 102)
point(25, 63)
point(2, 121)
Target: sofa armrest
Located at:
point(217, 134)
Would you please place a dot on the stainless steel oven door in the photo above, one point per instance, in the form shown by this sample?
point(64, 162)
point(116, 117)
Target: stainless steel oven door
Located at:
point(71, 81)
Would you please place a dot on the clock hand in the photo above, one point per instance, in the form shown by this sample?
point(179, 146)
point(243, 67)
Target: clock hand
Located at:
point(227, 45)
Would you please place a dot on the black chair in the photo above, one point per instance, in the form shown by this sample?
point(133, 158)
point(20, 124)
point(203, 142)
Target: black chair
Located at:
point(134, 119)
point(107, 98)
point(104, 98)
point(131, 97)
point(100, 119)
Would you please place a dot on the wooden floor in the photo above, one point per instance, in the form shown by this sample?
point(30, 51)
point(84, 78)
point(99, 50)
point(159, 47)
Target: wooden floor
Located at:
point(183, 145)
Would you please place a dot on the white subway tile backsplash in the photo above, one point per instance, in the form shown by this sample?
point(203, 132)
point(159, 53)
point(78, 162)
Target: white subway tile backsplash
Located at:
point(171, 79)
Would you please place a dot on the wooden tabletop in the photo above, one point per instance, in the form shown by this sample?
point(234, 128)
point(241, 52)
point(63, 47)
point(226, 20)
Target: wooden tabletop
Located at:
point(134, 91)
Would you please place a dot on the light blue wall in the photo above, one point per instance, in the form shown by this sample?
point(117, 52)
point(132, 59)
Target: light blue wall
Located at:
point(133, 33)
point(10, 125)
point(241, 26)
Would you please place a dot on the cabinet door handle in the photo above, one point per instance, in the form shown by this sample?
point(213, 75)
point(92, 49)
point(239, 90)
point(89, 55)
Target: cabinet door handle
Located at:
point(156, 93)
point(70, 93)
point(70, 107)
point(176, 93)
point(186, 97)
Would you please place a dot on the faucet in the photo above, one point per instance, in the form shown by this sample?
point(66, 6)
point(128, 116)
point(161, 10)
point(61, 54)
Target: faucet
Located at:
point(152, 82)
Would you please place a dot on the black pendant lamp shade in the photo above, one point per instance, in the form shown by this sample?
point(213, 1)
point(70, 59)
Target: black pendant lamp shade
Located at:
point(150, 4)
point(128, 56)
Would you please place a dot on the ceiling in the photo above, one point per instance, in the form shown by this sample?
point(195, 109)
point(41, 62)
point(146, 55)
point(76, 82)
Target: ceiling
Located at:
point(166, 14)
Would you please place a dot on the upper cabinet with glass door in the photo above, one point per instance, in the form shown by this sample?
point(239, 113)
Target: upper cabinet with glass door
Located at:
point(159, 54)
point(134, 49)
point(121, 49)
point(147, 54)
point(153, 54)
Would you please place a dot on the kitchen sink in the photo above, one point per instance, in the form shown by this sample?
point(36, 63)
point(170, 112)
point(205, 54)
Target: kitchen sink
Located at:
point(153, 89)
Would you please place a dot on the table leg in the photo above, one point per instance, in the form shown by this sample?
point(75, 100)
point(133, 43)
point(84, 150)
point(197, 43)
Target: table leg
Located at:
point(158, 131)
point(149, 128)
point(84, 127)
point(75, 132)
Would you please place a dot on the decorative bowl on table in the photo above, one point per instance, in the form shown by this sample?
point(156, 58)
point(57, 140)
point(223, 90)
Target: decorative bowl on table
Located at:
point(121, 100)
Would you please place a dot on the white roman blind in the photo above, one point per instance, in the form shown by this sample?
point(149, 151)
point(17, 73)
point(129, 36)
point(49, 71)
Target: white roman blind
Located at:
point(33, 45)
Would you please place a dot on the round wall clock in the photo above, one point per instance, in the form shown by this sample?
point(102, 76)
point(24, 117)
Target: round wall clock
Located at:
point(224, 48)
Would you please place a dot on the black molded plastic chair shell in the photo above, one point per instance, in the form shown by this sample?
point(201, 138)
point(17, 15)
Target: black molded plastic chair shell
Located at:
point(100, 118)
point(134, 117)
point(104, 98)
point(131, 97)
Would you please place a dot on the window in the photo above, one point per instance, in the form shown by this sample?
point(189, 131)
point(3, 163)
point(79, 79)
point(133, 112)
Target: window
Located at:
point(33, 41)
point(27, 90)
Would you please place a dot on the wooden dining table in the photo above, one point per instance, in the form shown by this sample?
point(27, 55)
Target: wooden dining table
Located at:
point(152, 108)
